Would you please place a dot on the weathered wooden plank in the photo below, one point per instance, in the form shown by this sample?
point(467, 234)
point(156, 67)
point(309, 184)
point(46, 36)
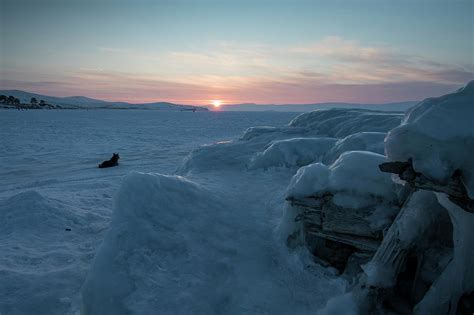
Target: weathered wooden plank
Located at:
point(348, 221)
point(361, 243)
point(455, 187)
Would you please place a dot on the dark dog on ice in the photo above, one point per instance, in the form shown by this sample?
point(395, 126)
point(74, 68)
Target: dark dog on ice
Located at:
point(112, 162)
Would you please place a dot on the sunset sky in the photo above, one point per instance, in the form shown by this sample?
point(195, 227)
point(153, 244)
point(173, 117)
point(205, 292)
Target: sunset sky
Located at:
point(192, 52)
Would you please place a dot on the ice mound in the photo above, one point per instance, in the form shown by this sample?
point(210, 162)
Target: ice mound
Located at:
point(292, 152)
point(361, 141)
point(438, 135)
point(217, 156)
point(39, 258)
point(340, 123)
point(152, 244)
point(352, 178)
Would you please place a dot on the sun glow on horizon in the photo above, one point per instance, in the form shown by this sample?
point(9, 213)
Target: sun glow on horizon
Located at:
point(216, 103)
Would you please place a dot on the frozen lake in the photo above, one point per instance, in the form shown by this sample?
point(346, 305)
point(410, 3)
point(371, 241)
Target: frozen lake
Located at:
point(41, 149)
point(139, 239)
point(49, 183)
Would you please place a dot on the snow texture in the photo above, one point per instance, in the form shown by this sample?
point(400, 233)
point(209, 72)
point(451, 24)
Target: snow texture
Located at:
point(41, 240)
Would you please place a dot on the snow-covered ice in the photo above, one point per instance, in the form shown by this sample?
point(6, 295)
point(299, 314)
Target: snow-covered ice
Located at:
point(193, 220)
point(353, 176)
point(207, 242)
point(437, 134)
point(49, 182)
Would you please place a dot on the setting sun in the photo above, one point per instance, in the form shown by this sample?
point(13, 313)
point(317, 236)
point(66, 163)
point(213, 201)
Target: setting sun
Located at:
point(216, 103)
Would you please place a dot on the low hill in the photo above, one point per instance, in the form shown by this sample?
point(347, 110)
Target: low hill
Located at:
point(82, 102)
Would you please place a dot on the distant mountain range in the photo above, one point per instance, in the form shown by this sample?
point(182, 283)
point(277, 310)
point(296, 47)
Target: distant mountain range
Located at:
point(399, 107)
point(82, 102)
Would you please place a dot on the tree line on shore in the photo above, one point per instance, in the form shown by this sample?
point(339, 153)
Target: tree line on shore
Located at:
point(34, 104)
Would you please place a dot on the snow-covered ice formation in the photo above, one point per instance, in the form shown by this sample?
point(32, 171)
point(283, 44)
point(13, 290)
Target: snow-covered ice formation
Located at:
point(438, 135)
point(435, 138)
point(353, 177)
point(292, 152)
point(351, 188)
point(435, 226)
point(253, 149)
point(207, 242)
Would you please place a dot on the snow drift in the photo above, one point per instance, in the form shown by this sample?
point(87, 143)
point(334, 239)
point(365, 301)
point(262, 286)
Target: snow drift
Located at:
point(42, 262)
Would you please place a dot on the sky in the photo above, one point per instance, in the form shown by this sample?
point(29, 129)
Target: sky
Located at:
point(260, 51)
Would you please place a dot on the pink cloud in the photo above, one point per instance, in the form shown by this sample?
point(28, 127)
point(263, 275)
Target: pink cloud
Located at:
point(330, 70)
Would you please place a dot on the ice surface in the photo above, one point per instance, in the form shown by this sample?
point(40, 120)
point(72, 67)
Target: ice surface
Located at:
point(438, 134)
point(292, 152)
point(49, 181)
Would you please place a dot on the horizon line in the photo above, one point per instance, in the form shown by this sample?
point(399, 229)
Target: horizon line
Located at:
point(210, 102)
